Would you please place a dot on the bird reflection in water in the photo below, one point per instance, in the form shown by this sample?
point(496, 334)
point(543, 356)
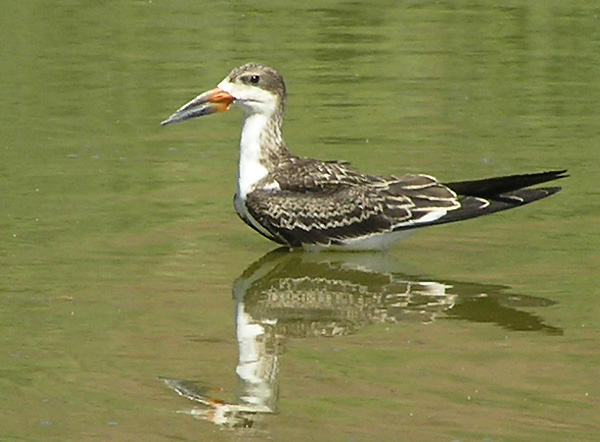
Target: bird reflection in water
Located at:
point(299, 295)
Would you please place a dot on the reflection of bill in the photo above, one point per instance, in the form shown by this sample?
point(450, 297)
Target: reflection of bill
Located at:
point(301, 295)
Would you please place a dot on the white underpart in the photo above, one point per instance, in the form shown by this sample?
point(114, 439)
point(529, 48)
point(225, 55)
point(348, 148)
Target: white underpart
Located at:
point(258, 107)
point(377, 241)
point(250, 169)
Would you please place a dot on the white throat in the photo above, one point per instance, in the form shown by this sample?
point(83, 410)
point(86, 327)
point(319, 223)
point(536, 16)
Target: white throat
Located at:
point(250, 169)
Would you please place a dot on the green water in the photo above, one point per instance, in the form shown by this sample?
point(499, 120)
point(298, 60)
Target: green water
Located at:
point(120, 247)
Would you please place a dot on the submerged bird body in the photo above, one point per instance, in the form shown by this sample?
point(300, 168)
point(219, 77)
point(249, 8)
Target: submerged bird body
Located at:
point(303, 202)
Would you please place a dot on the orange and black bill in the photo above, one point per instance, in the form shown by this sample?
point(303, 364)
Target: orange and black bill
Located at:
point(210, 102)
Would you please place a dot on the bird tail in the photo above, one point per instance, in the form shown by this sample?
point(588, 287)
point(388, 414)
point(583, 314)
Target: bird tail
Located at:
point(490, 195)
point(497, 186)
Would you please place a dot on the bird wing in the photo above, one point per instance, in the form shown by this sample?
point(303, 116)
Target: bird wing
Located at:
point(328, 203)
point(348, 207)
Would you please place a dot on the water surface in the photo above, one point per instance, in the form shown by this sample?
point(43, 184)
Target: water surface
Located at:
point(123, 262)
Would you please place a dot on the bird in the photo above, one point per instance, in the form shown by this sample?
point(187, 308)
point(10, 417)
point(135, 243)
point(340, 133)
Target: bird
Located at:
point(316, 205)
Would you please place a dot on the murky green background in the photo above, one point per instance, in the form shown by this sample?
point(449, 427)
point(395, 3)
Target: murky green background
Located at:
point(120, 247)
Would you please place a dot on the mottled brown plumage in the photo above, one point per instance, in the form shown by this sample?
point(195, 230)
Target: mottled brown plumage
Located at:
point(302, 202)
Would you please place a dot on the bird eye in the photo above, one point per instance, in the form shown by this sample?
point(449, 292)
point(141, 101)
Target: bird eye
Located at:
point(254, 79)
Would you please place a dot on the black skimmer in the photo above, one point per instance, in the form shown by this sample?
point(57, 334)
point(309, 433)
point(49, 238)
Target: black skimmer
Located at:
point(303, 202)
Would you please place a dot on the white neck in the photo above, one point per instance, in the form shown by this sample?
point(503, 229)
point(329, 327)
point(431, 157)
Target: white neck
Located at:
point(250, 169)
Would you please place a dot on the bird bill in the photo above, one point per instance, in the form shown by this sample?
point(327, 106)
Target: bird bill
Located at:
point(210, 102)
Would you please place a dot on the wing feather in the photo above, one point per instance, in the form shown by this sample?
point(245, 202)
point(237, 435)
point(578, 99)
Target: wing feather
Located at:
point(305, 201)
point(329, 203)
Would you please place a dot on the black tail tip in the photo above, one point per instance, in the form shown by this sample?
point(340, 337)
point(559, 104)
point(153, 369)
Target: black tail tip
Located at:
point(558, 174)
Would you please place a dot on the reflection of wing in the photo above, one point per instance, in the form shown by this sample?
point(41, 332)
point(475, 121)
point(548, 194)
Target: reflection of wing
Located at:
point(302, 295)
point(323, 294)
